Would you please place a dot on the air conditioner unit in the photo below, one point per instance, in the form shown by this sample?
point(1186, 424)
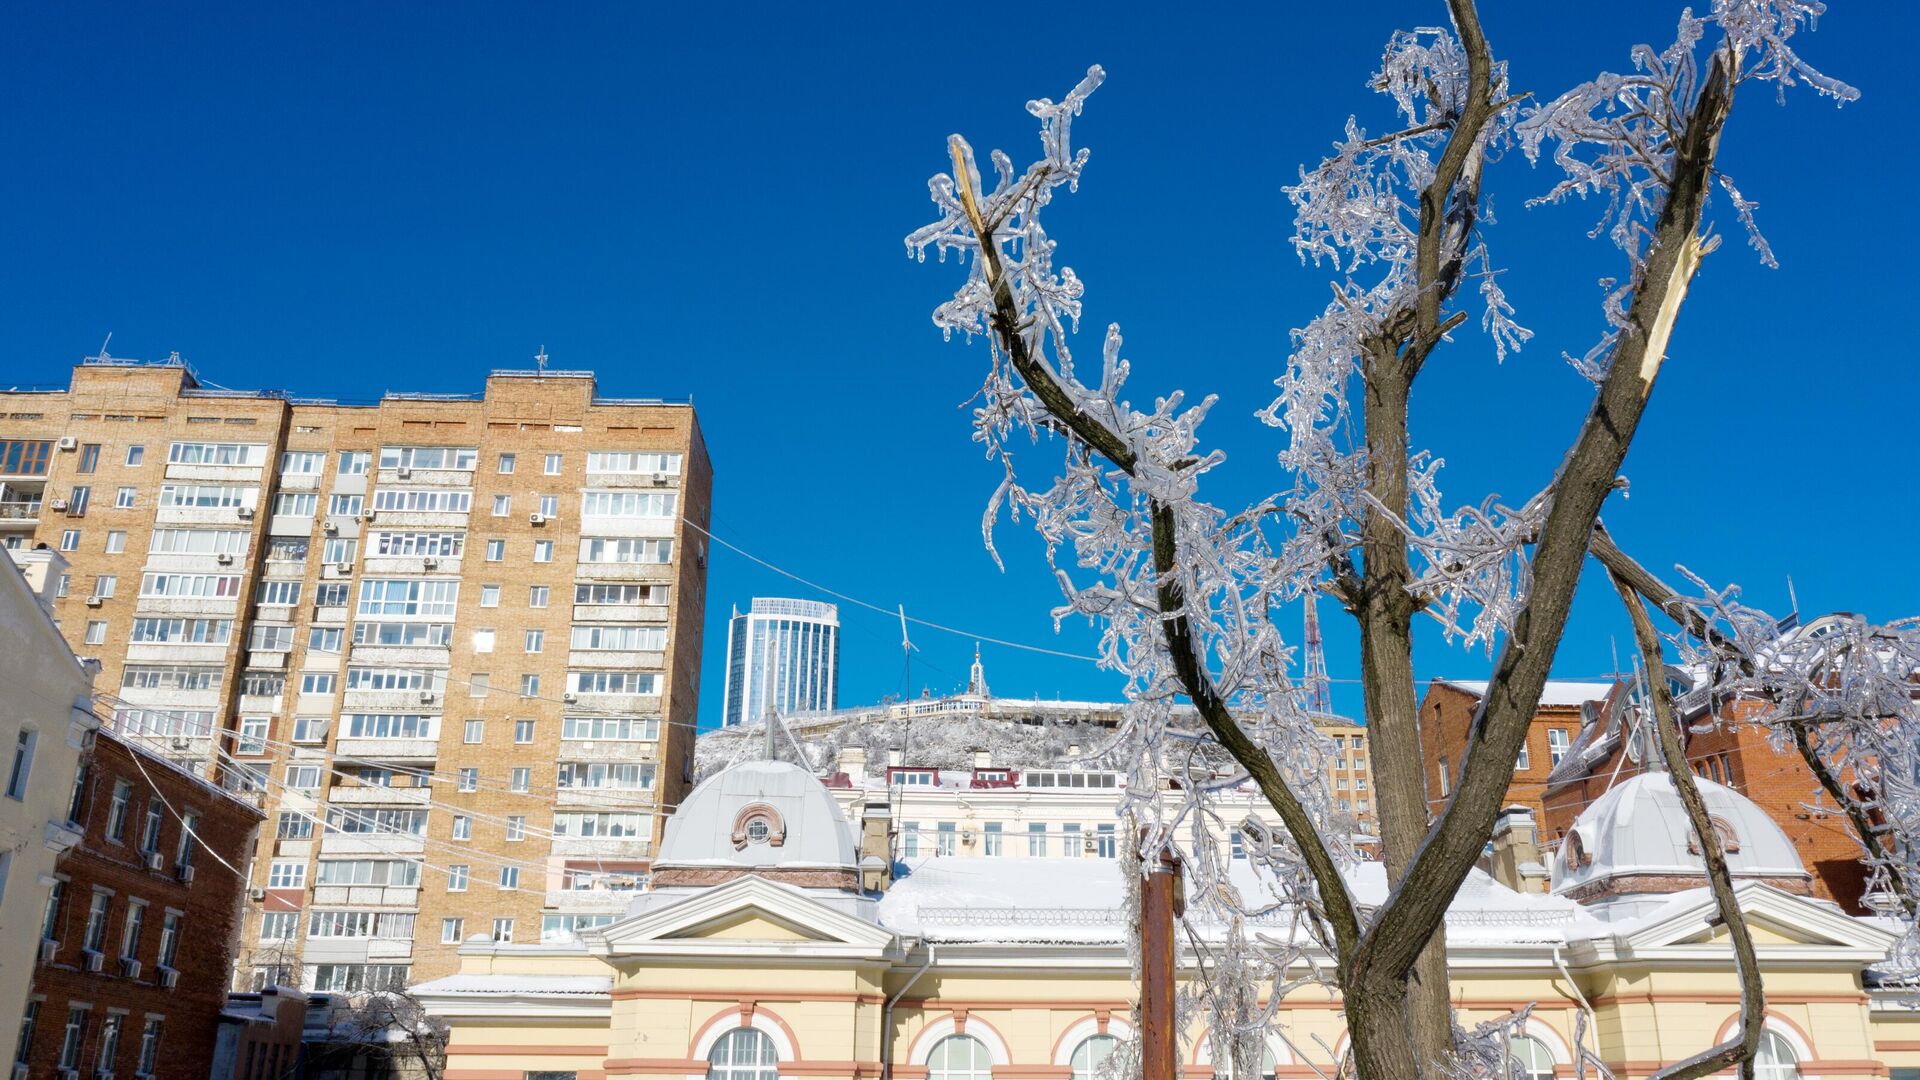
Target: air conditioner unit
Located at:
point(256, 894)
point(181, 742)
point(95, 601)
point(1090, 844)
point(129, 967)
point(537, 519)
point(68, 442)
point(331, 528)
point(154, 860)
point(245, 512)
point(56, 504)
point(95, 961)
point(185, 873)
point(403, 472)
point(967, 837)
point(429, 563)
point(569, 696)
point(367, 515)
point(345, 567)
point(168, 977)
point(48, 947)
point(661, 478)
point(426, 697)
point(223, 559)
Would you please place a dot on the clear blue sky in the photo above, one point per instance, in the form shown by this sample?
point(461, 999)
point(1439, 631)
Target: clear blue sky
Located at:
point(709, 200)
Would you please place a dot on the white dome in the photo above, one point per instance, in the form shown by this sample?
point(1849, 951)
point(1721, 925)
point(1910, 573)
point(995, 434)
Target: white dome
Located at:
point(759, 814)
point(1636, 838)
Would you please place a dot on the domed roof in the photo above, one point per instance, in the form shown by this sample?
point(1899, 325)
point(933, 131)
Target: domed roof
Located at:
point(1635, 839)
point(768, 817)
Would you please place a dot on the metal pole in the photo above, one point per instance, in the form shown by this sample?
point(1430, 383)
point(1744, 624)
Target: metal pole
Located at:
point(1159, 1042)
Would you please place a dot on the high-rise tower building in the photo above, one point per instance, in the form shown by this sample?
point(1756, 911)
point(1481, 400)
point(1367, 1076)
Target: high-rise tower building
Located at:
point(783, 652)
point(449, 642)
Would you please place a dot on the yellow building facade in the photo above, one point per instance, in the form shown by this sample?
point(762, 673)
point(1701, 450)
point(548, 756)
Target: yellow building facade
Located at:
point(756, 955)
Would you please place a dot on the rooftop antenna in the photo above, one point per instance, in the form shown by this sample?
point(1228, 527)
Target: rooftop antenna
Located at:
point(907, 649)
point(1318, 686)
point(540, 360)
point(104, 355)
point(1793, 600)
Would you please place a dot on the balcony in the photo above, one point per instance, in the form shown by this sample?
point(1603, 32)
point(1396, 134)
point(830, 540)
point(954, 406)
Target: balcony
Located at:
point(376, 795)
point(416, 478)
point(410, 565)
point(598, 525)
point(603, 750)
point(615, 704)
point(187, 605)
point(393, 896)
point(662, 573)
point(434, 656)
point(205, 515)
point(606, 798)
point(387, 749)
point(395, 700)
point(418, 519)
point(19, 512)
point(606, 847)
point(214, 473)
point(651, 613)
point(617, 661)
point(591, 901)
point(338, 843)
point(176, 652)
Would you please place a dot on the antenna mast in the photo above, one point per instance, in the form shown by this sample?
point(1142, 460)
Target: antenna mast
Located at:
point(1314, 678)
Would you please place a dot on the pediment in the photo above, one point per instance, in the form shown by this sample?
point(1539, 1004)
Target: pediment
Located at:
point(1777, 920)
point(745, 915)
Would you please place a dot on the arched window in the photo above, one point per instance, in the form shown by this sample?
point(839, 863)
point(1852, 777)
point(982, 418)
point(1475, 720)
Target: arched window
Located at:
point(743, 1054)
point(1092, 1051)
point(960, 1057)
point(1531, 1058)
point(1775, 1059)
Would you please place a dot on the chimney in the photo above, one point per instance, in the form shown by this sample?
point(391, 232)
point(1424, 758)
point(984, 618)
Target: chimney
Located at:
point(1515, 861)
point(876, 868)
point(982, 758)
point(852, 761)
point(896, 757)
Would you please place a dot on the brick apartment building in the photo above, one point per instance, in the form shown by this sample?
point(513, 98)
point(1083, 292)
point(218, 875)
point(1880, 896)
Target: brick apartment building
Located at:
point(142, 923)
point(450, 642)
point(1586, 738)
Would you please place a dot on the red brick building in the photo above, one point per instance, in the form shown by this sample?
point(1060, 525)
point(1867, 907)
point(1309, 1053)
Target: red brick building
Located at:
point(1446, 714)
point(141, 926)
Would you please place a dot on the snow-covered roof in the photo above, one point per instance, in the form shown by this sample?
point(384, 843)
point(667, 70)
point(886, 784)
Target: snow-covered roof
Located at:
point(1081, 901)
point(517, 984)
point(811, 830)
point(1639, 827)
point(1556, 694)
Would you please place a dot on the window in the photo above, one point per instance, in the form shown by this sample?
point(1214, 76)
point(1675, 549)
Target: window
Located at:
point(296, 503)
point(207, 496)
point(1106, 844)
point(136, 455)
point(438, 635)
point(1037, 839)
point(1775, 1059)
point(150, 829)
point(117, 811)
point(278, 592)
point(608, 728)
point(401, 873)
point(991, 844)
point(543, 551)
point(516, 827)
point(66, 582)
point(1521, 763)
point(1556, 744)
point(509, 879)
point(620, 594)
point(89, 458)
point(270, 637)
point(631, 776)
point(502, 505)
point(123, 499)
point(77, 500)
point(355, 462)
point(476, 731)
point(1445, 781)
point(946, 839)
point(405, 822)
point(96, 632)
point(518, 779)
point(347, 506)
point(529, 686)
point(606, 461)
point(1091, 1053)
point(1070, 840)
point(391, 726)
point(116, 542)
point(523, 731)
point(462, 827)
point(625, 550)
point(451, 931)
point(197, 586)
point(339, 550)
point(243, 454)
point(72, 1037)
point(537, 596)
point(536, 640)
point(549, 505)
point(479, 684)
point(287, 874)
point(743, 1054)
point(489, 596)
point(910, 840)
point(348, 978)
point(50, 921)
point(496, 550)
point(428, 457)
point(279, 925)
point(554, 462)
point(198, 542)
point(506, 464)
point(303, 777)
point(423, 500)
point(22, 458)
point(409, 596)
point(959, 1057)
point(619, 638)
point(106, 585)
point(470, 779)
point(173, 677)
point(94, 938)
point(70, 540)
point(584, 824)
point(155, 631)
point(613, 682)
point(631, 504)
point(22, 770)
point(292, 825)
point(302, 462)
point(503, 931)
point(149, 1047)
point(333, 594)
point(318, 682)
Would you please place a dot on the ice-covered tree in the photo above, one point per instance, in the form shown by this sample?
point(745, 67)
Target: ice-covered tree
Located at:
point(1185, 591)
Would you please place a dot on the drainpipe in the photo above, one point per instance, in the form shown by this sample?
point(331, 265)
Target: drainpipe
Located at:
point(1593, 1025)
point(886, 1019)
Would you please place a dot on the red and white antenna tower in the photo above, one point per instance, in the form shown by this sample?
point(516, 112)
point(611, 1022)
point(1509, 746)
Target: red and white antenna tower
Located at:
point(1319, 688)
